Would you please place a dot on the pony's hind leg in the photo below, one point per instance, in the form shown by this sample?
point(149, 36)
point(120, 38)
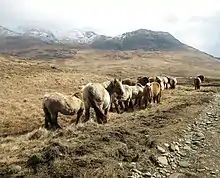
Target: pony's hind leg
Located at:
point(154, 99)
point(140, 102)
point(87, 113)
point(158, 98)
point(116, 107)
point(79, 115)
point(145, 102)
point(99, 120)
point(131, 105)
point(126, 105)
point(111, 107)
point(121, 104)
point(136, 101)
point(106, 114)
point(47, 118)
point(55, 124)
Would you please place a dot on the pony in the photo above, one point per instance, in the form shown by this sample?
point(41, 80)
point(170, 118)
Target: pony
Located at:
point(128, 82)
point(202, 78)
point(147, 94)
point(151, 79)
point(130, 93)
point(172, 82)
point(137, 94)
point(126, 98)
point(54, 103)
point(160, 81)
point(165, 81)
point(156, 91)
point(197, 83)
point(115, 101)
point(143, 80)
point(98, 96)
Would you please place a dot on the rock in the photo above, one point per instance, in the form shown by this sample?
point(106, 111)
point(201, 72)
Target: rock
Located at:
point(197, 143)
point(160, 149)
point(200, 170)
point(182, 154)
point(137, 171)
point(208, 122)
point(15, 168)
point(146, 174)
point(167, 174)
point(162, 171)
point(133, 165)
point(184, 164)
point(177, 148)
point(162, 160)
point(209, 113)
point(172, 147)
point(121, 166)
point(176, 175)
point(158, 176)
point(166, 145)
point(173, 166)
point(186, 147)
point(199, 136)
point(213, 172)
point(187, 141)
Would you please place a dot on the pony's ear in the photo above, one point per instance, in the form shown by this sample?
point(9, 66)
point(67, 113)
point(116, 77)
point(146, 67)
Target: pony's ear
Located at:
point(120, 80)
point(115, 80)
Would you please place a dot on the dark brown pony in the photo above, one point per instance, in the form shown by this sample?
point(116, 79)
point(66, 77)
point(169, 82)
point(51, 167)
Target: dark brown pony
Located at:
point(197, 83)
point(143, 80)
point(147, 95)
point(128, 82)
point(202, 78)
point(172, 82)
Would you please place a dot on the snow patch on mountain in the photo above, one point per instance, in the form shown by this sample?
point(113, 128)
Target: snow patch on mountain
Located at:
point(77, 36)
point(6, 32)
point(44, 35)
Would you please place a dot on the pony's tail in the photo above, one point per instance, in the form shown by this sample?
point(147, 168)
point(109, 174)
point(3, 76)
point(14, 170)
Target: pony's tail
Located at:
point(99, 113)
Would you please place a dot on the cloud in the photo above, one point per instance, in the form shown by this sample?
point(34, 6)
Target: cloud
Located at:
point(193, 22)
point(202, 32)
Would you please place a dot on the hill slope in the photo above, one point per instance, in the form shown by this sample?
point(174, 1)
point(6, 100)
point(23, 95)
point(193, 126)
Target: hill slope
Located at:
point(129, 140)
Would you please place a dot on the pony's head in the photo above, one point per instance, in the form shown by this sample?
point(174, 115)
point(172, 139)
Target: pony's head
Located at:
point(118, 87)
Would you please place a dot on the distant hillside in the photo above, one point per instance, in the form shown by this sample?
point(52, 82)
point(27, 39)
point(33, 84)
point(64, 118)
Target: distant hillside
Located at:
point(15, 43)
point(140, 39)
point(18, 42)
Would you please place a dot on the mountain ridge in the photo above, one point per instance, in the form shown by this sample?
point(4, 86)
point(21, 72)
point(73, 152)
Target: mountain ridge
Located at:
point(141, 39)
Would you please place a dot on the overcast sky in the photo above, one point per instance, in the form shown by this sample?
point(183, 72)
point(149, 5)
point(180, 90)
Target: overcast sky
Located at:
point(195, 22)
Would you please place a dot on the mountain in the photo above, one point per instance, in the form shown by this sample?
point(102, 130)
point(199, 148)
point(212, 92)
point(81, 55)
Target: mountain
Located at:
point(6, 32)
point(44, 35)
point(77, 36)
point(140, 39)
point(26, 37)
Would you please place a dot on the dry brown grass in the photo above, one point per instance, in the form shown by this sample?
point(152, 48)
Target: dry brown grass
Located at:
point(93, 150)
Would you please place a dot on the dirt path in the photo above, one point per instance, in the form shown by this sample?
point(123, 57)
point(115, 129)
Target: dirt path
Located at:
point(200, 154)
point(196, 153)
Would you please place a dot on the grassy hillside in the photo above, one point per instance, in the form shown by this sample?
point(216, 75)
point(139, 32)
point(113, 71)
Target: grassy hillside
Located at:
point(92, 150)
